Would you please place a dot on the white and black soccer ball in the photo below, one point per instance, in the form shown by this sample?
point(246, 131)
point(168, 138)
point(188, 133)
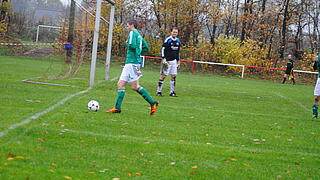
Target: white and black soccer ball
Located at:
point(93, 105)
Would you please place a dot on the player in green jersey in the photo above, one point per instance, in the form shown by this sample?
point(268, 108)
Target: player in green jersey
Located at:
point(131, 71)
point(316, 66)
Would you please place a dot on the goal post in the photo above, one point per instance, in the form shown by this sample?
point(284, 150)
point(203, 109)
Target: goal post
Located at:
point(109, 46)
point(96, 40)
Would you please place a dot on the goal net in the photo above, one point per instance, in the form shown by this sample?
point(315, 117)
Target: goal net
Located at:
point(85, 47)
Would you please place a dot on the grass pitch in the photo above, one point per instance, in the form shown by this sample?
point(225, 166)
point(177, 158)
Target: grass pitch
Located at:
point(218, 128)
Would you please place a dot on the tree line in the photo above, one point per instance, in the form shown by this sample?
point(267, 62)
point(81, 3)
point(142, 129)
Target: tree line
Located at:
point(251, 32)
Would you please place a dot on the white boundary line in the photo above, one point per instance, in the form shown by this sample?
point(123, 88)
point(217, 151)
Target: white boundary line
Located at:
point(36, 116)
point(292, 101)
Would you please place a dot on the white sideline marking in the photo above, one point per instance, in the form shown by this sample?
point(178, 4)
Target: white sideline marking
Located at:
point(126, 137)
point(36, 116)
point(292, 101)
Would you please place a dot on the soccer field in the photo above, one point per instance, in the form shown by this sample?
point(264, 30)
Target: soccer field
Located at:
point(218, 128)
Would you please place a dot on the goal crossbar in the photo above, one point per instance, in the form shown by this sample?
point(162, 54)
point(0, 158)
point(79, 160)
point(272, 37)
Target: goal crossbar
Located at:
point(222, 64)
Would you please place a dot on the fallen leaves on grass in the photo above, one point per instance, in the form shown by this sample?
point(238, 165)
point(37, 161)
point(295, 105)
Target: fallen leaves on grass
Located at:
point(208, 143)
point(42, 139)
point(1, 141)
point(45, 124)
point(51, 170)
point(54, 164)
point(115, 178)
point(67, 177)
point(10, 159)
point(104, 170)
point(122, 156)
point(173, 163)
point(138, 174)
point(246, 164)
point(10, 155)
point(64, 131)
point(20, 157)
point(91, 172)
point(193, 173)
point(194, 167)
point(233, 159)
point(181, 140)
point(57, 121)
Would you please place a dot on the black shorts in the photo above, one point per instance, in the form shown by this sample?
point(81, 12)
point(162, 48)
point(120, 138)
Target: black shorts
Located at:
point(288, 71)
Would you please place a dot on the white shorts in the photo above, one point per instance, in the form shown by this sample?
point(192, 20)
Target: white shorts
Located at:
point(171, 68)
point(130, 73)
point(317, 88)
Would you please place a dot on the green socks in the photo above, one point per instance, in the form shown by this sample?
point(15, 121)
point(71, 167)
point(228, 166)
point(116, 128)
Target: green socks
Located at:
point(315, 110)
point(120, 97)
point(144, 93)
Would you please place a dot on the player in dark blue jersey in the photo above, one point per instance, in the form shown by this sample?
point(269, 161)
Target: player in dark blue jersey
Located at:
point(289, 71)
point(170, 52)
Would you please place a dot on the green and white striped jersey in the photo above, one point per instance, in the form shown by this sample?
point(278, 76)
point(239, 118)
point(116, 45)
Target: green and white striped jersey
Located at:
point(136, 45)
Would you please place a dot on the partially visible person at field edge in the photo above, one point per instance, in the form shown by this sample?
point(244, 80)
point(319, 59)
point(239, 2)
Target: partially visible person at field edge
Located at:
point(316, 67)
point(289, 71)
point(131, 71)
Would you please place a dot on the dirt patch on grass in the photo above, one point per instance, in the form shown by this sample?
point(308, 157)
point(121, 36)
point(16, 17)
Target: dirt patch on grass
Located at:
point(39, 52)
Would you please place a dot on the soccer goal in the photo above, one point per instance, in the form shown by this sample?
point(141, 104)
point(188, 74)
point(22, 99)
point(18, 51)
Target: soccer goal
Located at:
point(80, 44)
point(45, 26)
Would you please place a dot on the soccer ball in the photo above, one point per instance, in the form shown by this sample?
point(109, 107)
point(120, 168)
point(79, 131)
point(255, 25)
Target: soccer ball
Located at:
point(93, 105)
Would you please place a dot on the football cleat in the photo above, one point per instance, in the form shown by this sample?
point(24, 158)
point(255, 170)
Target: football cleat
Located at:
point(173, 94)
point(113, 110)
point(315, 117)
point(159, 94)
point(154, 107)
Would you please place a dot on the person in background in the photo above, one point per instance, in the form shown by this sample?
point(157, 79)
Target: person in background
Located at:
point(316, 67)
point(289, 71)
point(170, 52)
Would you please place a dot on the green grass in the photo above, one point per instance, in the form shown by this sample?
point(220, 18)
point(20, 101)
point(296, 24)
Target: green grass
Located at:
point(209, 132)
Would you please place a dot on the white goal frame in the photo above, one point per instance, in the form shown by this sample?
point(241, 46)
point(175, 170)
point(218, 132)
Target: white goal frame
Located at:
point(222, 64)
point(45, 26)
